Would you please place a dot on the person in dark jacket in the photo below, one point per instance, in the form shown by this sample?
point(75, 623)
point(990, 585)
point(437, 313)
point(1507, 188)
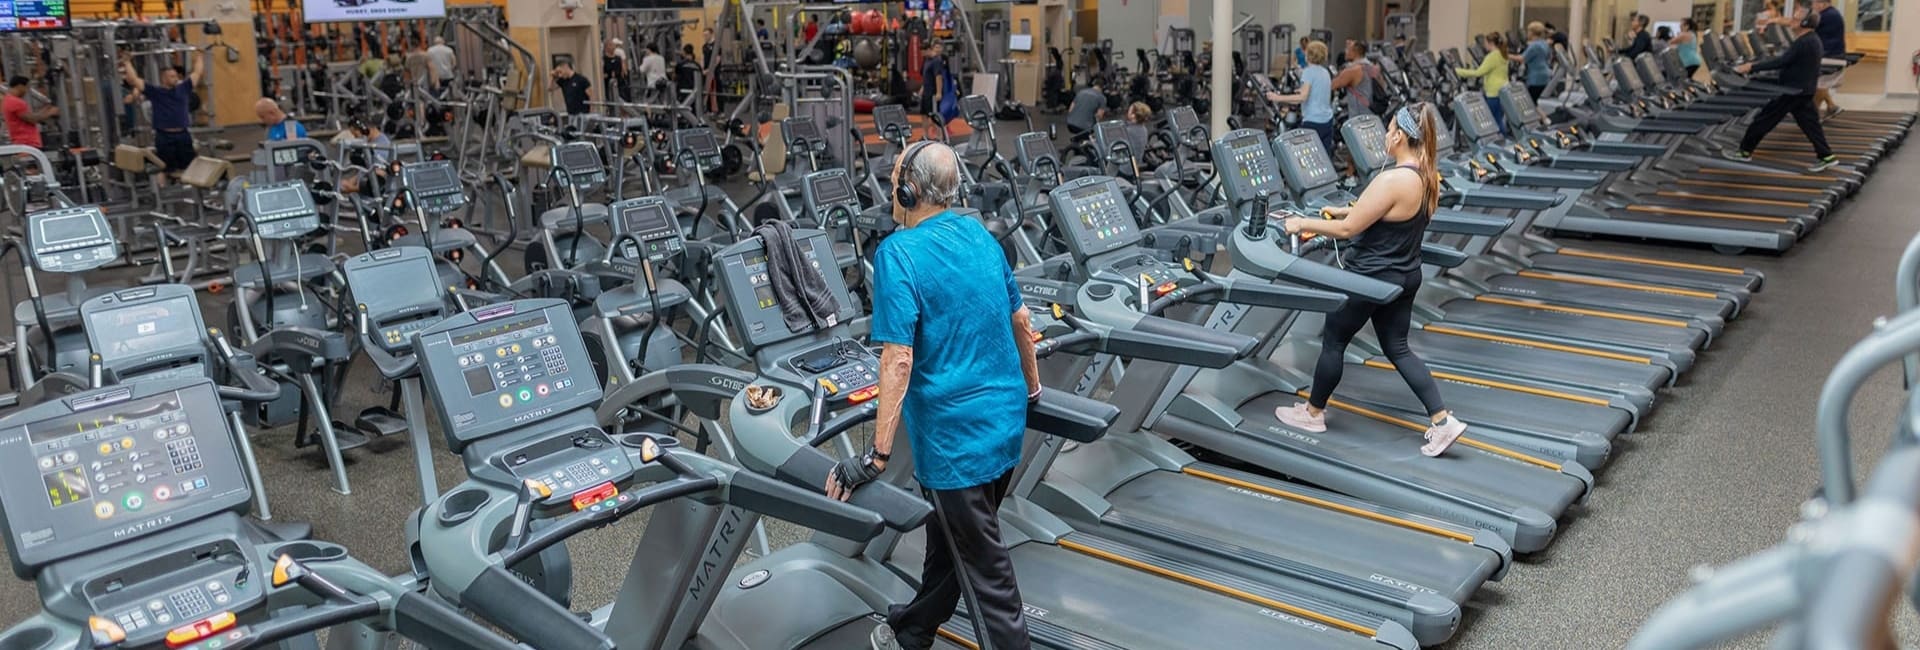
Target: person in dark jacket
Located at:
point(1638, 42)
point(1799, 68)
point(1833, 45)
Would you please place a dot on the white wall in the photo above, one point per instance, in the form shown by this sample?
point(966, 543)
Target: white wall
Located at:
point(1448, 23)
point(1131, 25)
point(1900, 48)
point(1659, 10)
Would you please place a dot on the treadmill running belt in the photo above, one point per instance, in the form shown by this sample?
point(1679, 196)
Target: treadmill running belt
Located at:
point(1560, 323)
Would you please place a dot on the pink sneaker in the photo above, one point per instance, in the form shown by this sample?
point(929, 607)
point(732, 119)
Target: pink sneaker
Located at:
point(1441, 436)
point(1299, 417)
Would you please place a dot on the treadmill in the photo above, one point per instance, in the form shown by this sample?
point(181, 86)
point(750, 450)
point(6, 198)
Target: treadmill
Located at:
point(1371, 456)
point(1080, 589)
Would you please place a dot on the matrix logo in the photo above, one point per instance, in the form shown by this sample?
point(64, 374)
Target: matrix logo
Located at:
point(1035, 612)
point(1294, 435)
point(1400, 584)
point(1257, 495)
point(715, 556)
point(1295, 620)
point(142, 526)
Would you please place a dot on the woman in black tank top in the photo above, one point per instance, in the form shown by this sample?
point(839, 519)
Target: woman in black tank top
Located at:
point(1385, 228)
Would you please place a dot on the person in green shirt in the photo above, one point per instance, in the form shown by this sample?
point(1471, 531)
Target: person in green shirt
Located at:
point(1493, 74)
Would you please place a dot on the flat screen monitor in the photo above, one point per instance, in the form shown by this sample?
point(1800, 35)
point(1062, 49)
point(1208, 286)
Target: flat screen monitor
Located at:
point(579, 159)
point(802, 129)
point(830, 189)
point(1018, 42)
point(35, 15)
point(284, 202)
point(341, 11)
point(430, 177)
point(140, 329)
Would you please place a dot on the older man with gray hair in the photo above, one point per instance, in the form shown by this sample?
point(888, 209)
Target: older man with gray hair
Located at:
point(957, 371)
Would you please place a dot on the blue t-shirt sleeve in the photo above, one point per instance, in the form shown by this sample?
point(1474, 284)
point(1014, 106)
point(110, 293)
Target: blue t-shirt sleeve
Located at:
point(299, 130)
point(896, 307)
point(1013, 292)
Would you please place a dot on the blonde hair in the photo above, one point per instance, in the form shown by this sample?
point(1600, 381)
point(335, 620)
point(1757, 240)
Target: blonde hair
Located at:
point(1317, 53)
point(1139, 112)
point(1536, 30)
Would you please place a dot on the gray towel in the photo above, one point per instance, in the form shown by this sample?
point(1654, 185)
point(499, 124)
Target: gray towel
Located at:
point(805, 303)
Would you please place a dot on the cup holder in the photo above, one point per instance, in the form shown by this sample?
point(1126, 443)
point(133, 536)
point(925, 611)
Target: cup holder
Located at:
point(460, 505)
point(35, 637)
point(310, 551)
point(635, 440)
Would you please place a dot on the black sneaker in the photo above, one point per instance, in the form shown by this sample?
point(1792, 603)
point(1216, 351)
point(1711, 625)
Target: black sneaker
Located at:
point(1824, 164)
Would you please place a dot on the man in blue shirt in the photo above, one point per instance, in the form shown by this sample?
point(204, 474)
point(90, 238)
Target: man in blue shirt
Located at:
point(279, 126)
point(172, 108)
point(1832, 30)
point(957, 370)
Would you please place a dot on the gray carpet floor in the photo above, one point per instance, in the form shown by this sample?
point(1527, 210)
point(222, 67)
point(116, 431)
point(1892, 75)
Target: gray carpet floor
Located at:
point(1719, 471)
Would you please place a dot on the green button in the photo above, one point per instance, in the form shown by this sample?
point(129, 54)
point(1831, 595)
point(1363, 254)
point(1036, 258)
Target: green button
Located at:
point(134, 501)
point(526, 395)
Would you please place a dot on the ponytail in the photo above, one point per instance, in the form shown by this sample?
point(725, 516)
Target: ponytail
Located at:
point(1429, 155)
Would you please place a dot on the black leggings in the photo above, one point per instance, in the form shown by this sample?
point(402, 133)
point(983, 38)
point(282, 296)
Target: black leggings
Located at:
point(1391, 322)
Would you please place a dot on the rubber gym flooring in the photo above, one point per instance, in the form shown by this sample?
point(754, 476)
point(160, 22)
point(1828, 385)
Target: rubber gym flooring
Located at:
point(1718, 472)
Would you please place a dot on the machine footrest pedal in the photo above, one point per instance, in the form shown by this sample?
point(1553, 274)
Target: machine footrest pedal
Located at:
point(379, 422)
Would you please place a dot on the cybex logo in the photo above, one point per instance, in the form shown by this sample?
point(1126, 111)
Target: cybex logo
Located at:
point(1043, 290)
point(727, 383)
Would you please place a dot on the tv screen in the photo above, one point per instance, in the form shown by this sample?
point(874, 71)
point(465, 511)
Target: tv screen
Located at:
point(339, 11)
point(34, 15)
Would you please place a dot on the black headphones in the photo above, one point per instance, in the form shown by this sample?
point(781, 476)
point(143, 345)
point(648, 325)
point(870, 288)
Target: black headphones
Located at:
point(1812, 18)
point(904, 193)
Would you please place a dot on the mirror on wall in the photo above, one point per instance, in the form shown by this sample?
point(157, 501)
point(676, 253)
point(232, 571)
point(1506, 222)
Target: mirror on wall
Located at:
point(1872, 15)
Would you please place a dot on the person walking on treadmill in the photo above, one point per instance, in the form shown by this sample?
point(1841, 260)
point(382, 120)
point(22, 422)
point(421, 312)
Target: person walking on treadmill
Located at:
point(1799, 68)
point(957, 371)
point(1386, 226)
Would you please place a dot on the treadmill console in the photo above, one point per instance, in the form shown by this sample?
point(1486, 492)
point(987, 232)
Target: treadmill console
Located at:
point(109, 465)
point(747, 290)
point(1303, 160)
point(581, 162)
point(503, 366)
point(435, 186)
point(1521, 107)
point(699, 143)
point(1627, 75)
point(1594, 82)
point(1367, 141)
point(70, 240)
point(400, 291)
point(291, 153)
point(803, 136)
point(1476, 118)
point(890, 120)
point(650, 220)
point(1097, 217)
point(1247, 166)
point(848, 371)
point(282, 210)
point(977, 111)
point(829, 192)
point(153, 332)
point(507, 366)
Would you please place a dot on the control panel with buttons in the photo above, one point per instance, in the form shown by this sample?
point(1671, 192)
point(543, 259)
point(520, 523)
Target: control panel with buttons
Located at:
point(650, 220)
point(436, 188)
point(70, 240)
point(570, 467)
point(848, 371)
point(398, 288)
point(492, 368)
point(282, 210)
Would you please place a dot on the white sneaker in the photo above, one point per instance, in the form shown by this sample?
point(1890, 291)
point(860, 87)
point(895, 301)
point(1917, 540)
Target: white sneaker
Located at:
point(882, 638)
point(1441, 436)
point(1299, 417)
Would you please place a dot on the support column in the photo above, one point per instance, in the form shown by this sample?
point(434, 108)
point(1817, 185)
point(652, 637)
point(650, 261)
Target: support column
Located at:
point(548, 30)
point(1222, 99)
point(1902, 42)
point(1576, 26)
point(1447, 24)
point(233, 87)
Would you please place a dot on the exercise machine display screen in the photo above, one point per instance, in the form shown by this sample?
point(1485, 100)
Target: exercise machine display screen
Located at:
point(70, 240)
point(803, 134)
point(503, 366)
point(1249, 166)
point(581, 162)
point(435, 186)
point(1182, 119)
point(1109, 135)
point(890, 120)
point(1595, 83)
point(699, 143)
point(282, 210)
point(1097, 216)
point(650, 221)
point(105, 466)
point(138, 328)
point(1367, 141)
point(400, 290)
point(749, 288)
point(291, 155)
point(977, 110)
point(1303, 160)
point(1475, 116)
point(35, 15)
point(1627, 76)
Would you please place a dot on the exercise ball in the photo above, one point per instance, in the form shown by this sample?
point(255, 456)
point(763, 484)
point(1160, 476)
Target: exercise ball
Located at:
point(866, 53)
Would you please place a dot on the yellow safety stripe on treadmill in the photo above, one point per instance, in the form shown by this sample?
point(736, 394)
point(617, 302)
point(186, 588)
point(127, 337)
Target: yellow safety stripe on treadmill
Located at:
point(1631, 318)
point(1679, 194)
point(1744, 186)
point(1587, 352)
point(1661, 209)
point(1576, 252)
point(1780, 175)
point(1618, 284)
point(1329, 505)
point(1463, 439)
point(1489, 383)
point(1356, 628)
point(962, 641)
